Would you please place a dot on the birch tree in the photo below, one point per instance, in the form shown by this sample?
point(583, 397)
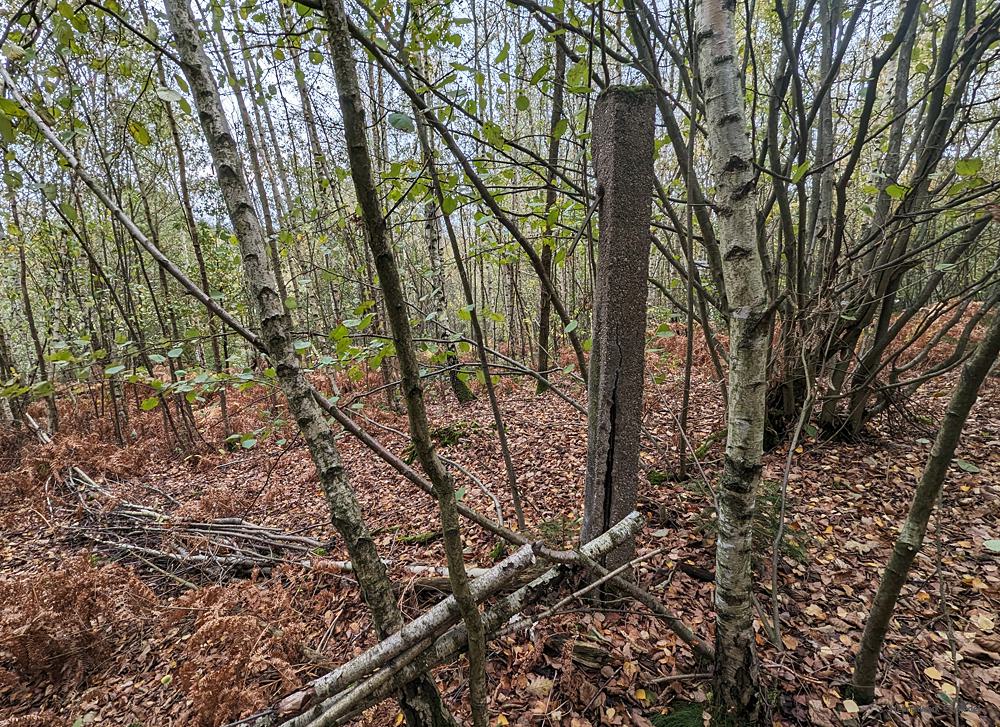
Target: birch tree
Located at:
point(420, 701)
point(911, 535)
point(732, 167)
point(390, 282)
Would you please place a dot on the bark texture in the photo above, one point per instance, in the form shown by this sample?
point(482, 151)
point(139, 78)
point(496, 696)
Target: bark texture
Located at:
point(911, 536)
point(623, 164)
point(731, 164)
point(420, 703)
point(397, 312)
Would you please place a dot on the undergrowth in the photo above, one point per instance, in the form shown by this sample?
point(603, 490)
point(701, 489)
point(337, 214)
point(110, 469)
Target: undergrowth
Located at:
point(247, 642)
point(62, 622)
point(684, 714)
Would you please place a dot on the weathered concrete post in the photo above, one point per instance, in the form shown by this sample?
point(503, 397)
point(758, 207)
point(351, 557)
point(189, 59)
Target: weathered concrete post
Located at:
point(623, 165)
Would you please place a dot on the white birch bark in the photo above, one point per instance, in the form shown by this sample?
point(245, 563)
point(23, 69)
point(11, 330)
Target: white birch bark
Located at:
point(731, 161)
point(420, 703)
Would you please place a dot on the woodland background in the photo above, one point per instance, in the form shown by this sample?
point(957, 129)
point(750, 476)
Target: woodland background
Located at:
point(263, 260)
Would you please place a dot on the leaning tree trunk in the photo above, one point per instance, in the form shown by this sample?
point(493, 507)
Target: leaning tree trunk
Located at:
point(623, 163)
point(420, 702)
point(731, 161)
point(352, 111)
point(911, 537)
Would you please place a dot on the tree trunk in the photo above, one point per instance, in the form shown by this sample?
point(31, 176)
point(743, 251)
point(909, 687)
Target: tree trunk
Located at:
point(29, 314)
point(432, 236)
point(421, 703)
point(548, 243)
point(911, 536)
point(435, 248)
point(352, 110)
point(623, 165)
point(731, 163)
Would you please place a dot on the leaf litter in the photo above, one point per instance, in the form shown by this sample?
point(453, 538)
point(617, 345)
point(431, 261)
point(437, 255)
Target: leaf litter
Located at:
point(94, 636)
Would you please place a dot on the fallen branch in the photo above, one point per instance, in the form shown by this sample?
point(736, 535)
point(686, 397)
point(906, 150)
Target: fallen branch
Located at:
point(340, 707)
point(429, 625)
point(224, 543)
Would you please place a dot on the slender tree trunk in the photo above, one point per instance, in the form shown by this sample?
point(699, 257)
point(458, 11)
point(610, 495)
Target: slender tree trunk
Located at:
point(477, 334)
point(731, 163)
point(432, 237)
point(218, 362)
point(682, 439)
point(548, 243)
point(250, 130)
point(29, 314)
point(420, 702)
point(352, 110)
point(911, 536)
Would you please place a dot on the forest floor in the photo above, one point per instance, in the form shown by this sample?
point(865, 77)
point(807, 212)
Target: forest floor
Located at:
point(92, 635)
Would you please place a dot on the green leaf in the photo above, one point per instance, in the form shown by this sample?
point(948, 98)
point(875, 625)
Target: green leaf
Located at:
point(291, 303)
point(248, 443)
point(112, 370)
point(150, 403)
point(896, 191)
point(175, 352)
point(68, 210)
point(539, 74)
point(992, 545)
point(968, 167)
point(571, 327)
point(301, 345)
point(966, 466)
point(402, 122)
point(522, 103)
point(6, 129)
point(139, 132)
point(799, 171)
